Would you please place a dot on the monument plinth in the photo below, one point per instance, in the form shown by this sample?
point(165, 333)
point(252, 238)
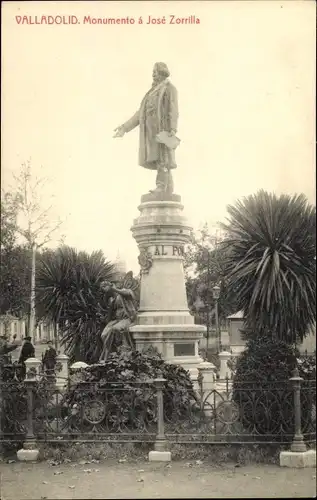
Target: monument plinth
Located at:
point(164, 321)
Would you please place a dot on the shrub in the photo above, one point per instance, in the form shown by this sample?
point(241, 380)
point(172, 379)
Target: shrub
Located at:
point(13, 406)
point(121, 383)
point(12, 414)
point(263, 392)
point(307, 367)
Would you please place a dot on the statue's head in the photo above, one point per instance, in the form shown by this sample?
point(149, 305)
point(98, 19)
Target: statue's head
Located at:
point(160, 72)
point(106, 286)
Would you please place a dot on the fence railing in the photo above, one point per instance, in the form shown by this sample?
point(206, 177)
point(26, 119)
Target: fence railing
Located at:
point(36, 409)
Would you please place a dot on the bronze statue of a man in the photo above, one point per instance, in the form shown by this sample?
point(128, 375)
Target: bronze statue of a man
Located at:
point(157, 115)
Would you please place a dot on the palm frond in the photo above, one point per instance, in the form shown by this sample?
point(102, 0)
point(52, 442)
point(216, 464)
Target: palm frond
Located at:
point(70, 293)
point(271, 244)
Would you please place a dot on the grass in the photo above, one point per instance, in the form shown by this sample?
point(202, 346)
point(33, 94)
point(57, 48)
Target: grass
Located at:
point(217, 455)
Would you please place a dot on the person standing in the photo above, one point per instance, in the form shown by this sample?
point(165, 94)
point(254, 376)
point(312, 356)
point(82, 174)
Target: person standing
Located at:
point(49, 358)
point(27, 352)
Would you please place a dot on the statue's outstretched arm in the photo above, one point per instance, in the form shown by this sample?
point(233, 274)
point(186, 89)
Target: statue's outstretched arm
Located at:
point(127, 126)
point(132, 122)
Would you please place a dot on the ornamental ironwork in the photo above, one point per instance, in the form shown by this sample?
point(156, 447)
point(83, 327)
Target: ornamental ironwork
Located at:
point(94, 412)
point(224, 413)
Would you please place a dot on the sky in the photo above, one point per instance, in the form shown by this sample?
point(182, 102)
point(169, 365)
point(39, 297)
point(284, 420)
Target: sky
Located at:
point(245, 77)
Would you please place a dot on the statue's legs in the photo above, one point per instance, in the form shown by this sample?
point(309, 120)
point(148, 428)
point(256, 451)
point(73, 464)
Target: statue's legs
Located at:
point(164, 180)
point(161, 178)
point(170, 183)
point(115, 333)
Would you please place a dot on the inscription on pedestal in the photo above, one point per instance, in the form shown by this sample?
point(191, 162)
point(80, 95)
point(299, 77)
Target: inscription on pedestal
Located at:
point(187, 349)
point(175, 251)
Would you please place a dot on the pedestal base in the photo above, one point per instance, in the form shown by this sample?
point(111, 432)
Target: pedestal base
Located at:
point(25, 455)
point(176, 343)
point(298, 460)
point(160, 456)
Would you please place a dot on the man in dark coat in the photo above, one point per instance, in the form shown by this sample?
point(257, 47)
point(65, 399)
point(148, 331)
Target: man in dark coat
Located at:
point(49, 358)
point(27, 352)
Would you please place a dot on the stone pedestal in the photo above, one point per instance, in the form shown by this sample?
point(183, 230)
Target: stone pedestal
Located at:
point(28, 454)
point(161, 232)
point(224, 371)
point(33, 368)
point(208, 384)
point(160, 456)
point(76, 372)
point(297, 459)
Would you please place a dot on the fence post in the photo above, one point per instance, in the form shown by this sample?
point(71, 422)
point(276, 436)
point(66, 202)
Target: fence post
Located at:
point(61, 371)
point(160, 453)
point(298, 444)
point(298, 456)
point(33, 369)
point(29, 452)
point(224, 357)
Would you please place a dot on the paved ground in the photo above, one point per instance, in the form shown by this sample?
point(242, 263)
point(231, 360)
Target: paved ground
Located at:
point(20, 481)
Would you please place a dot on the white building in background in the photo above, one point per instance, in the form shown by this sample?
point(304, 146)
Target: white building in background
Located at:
point(237, 344)
point(18, 326)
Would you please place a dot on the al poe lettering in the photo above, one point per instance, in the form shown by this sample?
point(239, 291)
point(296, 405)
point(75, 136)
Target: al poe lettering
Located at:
point(177, 251)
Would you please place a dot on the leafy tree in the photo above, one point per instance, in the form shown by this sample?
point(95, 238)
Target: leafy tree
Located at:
point(271, 241)
point(34, 223)
point(206, 266)
point(14, 262)
point(69, 293)
point(9, 212)
point(15, 280)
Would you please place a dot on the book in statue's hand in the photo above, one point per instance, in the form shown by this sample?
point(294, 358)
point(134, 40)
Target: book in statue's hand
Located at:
point(170, 141)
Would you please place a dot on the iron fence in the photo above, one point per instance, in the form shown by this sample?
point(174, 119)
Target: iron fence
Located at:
point(90, 412)
point(36, 409)
point(243, 413)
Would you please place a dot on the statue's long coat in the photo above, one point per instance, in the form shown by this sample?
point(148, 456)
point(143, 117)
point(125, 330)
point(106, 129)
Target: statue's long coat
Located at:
point(158, 111)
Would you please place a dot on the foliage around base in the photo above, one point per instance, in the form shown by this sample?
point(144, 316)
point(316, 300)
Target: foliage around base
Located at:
point(264, 393)
point(121, 383)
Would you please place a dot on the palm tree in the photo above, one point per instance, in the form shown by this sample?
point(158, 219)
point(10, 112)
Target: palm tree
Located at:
point(272, 268)
point(69, 293)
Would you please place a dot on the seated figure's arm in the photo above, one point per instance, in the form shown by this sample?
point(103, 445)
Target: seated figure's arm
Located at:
point(124, 292)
